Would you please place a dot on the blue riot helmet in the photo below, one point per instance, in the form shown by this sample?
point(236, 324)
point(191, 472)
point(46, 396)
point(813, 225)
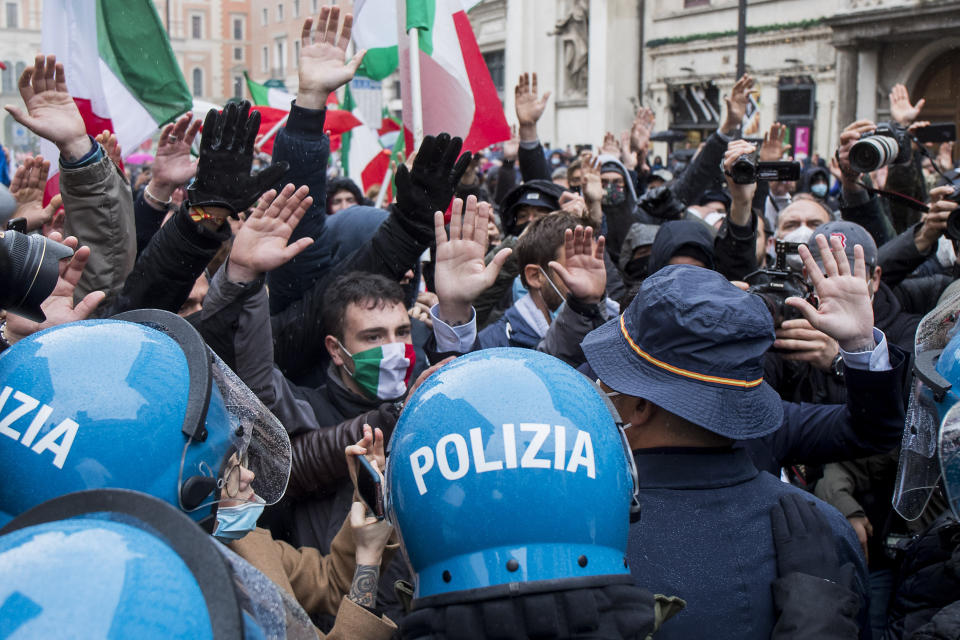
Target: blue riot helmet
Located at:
point(930, 448)
point(508, 468)
point(135, 402)
point(112, 563)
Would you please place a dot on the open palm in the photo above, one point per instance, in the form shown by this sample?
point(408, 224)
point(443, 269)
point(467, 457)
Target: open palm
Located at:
point(322, 53)
point(460, 274)
point(584, 275)
point(261, 244)
point(845, 312)
point(529, 105)
point(51, 112)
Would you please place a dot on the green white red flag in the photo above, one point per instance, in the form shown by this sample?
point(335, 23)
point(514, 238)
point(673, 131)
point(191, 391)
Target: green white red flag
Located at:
point(119, 66)
point(459, 96)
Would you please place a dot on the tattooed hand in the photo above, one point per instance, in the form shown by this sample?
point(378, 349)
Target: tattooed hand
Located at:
point(370, 537)
point(363, 591)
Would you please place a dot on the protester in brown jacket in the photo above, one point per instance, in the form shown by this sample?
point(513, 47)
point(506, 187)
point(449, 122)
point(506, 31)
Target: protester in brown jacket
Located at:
point(320, 583)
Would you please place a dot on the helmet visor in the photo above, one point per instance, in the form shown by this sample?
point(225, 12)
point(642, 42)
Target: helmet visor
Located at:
point(255, 462)
point(918, 470)
point(950, 457)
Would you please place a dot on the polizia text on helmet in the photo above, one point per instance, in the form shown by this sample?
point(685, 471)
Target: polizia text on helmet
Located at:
point(422, 460)
point(58, 440)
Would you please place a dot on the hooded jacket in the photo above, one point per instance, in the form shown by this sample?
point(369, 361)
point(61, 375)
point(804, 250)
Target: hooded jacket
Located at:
point(617, 218)
point(676, 234)
point(806, 180)
point(344, 184)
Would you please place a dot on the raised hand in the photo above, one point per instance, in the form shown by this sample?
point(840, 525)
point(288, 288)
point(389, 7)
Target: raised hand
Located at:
point(610, 145)
point(226, 156)
point(58, 307)
point(845, 312)
point(27, 189)
point(627, 156)
point(51, 112)
point(111, 146)
point(773, 146)
point(945, 156)
point(173, 166)
point(584, 275)
point(429, 185)
point(900, 108)
point(322, 55)
point(529, 105)
point(737, 104)
point(511, 148)
point(641, 130)
point(848, 137)
point(261, 243)
point(460, 274)
point(370, 535)
point(934, 221)
point(741, 195)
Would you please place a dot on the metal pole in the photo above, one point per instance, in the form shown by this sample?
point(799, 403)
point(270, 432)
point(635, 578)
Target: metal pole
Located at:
point(416, 98)
point(742, 39)
point(272, 132)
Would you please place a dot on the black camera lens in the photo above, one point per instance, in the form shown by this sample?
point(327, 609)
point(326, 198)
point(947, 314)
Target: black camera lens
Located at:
point(744, 169)
point(869, 154)
point(28, 272)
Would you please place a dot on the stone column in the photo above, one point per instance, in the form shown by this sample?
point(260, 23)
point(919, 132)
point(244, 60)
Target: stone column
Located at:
point(846, 86)
point(867, 84)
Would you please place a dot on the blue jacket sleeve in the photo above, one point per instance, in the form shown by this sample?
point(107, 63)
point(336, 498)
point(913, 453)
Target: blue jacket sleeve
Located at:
point(304, 146)
point(870, 422)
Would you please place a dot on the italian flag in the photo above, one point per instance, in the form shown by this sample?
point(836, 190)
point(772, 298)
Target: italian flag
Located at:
point(459, 96)
point(363, 158)
point(274, 105)
point(119, 66)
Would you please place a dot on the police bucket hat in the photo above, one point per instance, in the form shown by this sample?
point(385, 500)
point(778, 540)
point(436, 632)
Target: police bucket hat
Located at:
point(692, 343)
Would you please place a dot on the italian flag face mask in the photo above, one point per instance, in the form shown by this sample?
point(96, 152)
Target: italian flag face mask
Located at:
point(383, 372)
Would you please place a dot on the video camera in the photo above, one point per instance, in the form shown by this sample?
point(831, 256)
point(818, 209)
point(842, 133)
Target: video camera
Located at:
point(783, 281)
point(888, 144)
point(953, 222)
point(747, 169)
point(29, 269)
point(660, 202)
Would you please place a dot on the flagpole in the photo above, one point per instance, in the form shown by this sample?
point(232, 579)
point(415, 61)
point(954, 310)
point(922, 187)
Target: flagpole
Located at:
point(384, 186)
point(271, 133)
point(416, 98)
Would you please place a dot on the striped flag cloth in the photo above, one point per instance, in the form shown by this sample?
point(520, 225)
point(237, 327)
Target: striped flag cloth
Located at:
point(273, 104)
point(119, 66)
point(459, 96)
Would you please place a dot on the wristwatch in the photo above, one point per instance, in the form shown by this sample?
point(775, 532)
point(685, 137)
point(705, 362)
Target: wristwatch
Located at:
point(836, 367)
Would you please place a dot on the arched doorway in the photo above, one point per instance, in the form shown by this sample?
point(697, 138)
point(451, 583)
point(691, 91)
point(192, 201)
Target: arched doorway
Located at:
point(940, 85)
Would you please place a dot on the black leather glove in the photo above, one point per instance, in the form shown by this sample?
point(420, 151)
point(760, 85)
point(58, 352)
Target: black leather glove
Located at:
point(226, 155)
point(804, 541)
point(430, 185)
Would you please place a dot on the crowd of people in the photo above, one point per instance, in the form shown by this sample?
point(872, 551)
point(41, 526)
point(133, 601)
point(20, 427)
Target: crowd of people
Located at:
point(540, 394)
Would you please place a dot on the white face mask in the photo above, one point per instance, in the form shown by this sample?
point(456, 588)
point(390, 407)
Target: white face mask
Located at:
point(800, 235)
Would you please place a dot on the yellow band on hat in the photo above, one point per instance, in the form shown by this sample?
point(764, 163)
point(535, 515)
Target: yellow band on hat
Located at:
point(746, 384)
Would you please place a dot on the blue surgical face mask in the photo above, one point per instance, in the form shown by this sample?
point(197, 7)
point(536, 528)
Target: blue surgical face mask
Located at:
point(235, 522)
point(819, 189)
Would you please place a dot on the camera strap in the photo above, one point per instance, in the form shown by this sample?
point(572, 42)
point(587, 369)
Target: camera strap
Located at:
point(899, 198)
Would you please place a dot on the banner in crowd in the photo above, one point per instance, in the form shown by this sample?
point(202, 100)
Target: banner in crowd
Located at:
point(120, 69)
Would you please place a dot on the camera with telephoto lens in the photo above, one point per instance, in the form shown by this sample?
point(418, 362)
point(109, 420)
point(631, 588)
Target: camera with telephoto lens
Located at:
point(29, 269)
point(953, 222)
point(660, 202)
point(747, 169)
point(887, 144)
point(783, 281)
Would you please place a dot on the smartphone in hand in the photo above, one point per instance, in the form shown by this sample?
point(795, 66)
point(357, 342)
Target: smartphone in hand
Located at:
point(370, 487)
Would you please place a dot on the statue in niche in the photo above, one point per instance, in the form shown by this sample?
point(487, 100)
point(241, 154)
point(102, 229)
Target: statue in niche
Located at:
point(574, 39)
